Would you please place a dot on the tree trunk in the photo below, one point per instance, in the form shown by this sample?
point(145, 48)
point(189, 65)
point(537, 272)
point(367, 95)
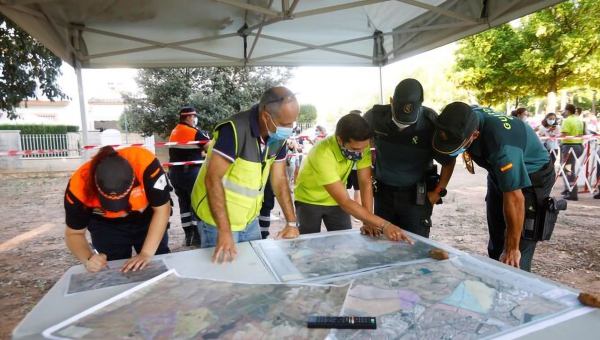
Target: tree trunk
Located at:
point(551, 104)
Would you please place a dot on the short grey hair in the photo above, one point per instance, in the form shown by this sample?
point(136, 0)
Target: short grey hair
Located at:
point(273, 98)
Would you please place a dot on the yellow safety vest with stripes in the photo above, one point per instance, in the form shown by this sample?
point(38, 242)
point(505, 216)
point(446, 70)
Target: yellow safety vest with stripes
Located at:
point(245, 180)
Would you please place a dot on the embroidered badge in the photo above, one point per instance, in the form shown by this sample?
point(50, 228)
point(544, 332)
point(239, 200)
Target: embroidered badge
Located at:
point(408, 108)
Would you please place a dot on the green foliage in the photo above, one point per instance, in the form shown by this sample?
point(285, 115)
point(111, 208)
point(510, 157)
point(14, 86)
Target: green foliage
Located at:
point(26, 64)
point(308, 113)
point(553, 49)
point(216, 93)
point(40, 129)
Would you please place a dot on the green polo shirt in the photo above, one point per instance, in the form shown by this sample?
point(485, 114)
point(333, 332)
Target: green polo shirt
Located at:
point(325, 165)
point(572, 126)
point(508, 149)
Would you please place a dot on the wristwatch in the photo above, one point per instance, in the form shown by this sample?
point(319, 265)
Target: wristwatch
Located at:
point(293, 224)
point(441, 191)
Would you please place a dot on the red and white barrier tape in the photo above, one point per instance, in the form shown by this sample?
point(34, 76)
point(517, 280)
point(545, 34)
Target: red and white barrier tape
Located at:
point(94, 147)
point(585, 137)
point(182, 163)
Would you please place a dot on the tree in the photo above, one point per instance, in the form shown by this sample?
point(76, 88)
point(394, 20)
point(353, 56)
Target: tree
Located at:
point(26, 65)
point(216, 93)
point(553, 49)
point(308, 113)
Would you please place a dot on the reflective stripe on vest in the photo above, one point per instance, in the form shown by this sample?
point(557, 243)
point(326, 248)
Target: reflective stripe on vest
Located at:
point(243, 182)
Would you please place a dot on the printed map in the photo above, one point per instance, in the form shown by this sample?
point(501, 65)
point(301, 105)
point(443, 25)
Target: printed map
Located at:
point(82, 282)
point(440, 300)
point(183, 308)
point(336, 254)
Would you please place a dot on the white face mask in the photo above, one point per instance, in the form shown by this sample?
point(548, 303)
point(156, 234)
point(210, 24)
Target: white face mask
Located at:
point(195, 121)
point(524, 118)
point(399, 125)
point(550, 121)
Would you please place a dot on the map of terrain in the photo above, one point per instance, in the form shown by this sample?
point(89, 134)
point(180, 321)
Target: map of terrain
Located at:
point(184, 308)
point(332, 255)
point(440, 300)
point(82, 282)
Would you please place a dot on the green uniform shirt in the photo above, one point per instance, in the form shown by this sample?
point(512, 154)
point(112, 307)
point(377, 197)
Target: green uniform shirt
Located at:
point(508, 149)
point(325, 165)
point(572, 126)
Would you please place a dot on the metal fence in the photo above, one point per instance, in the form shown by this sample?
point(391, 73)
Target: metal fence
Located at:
point(51, 142)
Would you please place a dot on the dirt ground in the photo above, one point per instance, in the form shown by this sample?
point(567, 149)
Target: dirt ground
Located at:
point(33, 255)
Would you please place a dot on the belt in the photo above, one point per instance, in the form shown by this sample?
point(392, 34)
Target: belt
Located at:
point(393, 188)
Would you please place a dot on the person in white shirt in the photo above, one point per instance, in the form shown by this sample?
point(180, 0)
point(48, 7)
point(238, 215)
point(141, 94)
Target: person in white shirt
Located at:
point(550, 128)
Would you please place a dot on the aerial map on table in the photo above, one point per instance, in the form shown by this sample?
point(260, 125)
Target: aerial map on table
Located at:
point(82, 282)
point(173, 307)
point(329, 255)
point(449, 300)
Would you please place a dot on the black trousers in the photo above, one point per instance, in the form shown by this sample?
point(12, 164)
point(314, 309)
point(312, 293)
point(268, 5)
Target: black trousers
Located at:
point(399, 207)
point(310, 217)
point(542, 182)
point(264, 217)
point(183, 183)
point(116, 239)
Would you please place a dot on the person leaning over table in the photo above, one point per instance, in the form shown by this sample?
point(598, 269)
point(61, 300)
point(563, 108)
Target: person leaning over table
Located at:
point(123, 198)
point(246, 148)
point(321, 195)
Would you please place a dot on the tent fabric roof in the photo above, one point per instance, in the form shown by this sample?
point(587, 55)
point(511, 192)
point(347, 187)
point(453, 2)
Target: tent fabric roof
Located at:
point(194, 33)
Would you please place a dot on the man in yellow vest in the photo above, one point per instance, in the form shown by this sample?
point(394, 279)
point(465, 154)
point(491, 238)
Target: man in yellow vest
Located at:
point(246, 148)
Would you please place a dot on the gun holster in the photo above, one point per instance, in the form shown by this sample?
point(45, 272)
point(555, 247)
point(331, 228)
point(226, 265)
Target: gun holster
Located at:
point(541, 226)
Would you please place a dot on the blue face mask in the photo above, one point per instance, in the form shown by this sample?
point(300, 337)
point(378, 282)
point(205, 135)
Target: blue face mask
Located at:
point(458, 152)
point(354, 156)
point(281, 133)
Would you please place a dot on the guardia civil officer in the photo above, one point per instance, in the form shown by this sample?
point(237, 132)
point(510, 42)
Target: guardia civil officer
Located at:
point(520, 177)
point(406, 182)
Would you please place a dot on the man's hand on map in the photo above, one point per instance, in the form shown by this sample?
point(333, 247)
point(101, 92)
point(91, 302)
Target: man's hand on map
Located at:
point(226, 246)
point(96, 263)
point(288, 232)
point(138, 262)
point(371, 231)
point(394, 233)
point(511, 257)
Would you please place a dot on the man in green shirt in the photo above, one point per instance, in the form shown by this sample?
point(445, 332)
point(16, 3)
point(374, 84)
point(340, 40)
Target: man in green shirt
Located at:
point(321, 195)
point(520, 175)
point(571, 126)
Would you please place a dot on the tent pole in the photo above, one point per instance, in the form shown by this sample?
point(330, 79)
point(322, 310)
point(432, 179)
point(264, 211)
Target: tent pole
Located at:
point(77, 61)
point(380, 87)
point(84, 124)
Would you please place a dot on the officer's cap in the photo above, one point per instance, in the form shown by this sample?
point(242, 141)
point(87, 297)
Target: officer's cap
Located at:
point(114, 180)
point(408, 98)
point(453, 127)
point(188, 111)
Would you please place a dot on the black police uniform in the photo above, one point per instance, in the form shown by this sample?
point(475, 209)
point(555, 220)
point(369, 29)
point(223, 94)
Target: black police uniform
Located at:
point(403, 158)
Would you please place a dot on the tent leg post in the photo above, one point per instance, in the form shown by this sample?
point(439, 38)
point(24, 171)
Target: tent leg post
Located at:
point(84, 124)
point(380, 87)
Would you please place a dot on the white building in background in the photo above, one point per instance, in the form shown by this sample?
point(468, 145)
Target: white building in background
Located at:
point(103, 90)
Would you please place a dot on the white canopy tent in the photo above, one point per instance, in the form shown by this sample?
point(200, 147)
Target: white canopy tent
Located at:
point(196, 33)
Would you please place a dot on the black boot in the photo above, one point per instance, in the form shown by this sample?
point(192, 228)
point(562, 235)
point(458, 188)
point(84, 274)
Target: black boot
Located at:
point(195, 241)
point(189, 234)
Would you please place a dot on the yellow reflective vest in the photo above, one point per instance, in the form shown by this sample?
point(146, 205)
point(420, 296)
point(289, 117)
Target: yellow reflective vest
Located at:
point(245, 180)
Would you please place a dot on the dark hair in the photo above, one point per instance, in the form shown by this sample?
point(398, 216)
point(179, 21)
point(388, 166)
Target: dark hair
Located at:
point(544, 122)
point(90, 185)
point(519, 111)
point(571, 108)
point(353, 127)
point(578, 110)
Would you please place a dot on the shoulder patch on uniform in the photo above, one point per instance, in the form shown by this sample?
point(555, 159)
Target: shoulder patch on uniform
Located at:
point(155, 173)
point(161, 182)
point(506, 167)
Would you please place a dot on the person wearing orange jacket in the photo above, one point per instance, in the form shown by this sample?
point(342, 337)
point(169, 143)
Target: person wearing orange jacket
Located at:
point(183, 177)
point(123, 198)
